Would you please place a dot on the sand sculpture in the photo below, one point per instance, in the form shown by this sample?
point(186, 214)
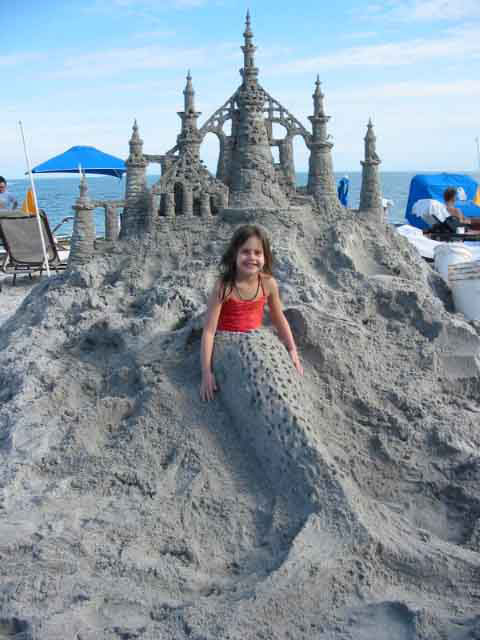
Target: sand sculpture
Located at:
point(340, 505)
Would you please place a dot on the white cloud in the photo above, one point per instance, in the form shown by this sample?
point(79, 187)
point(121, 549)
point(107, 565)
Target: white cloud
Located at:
point(156, 34)
point(451, 45)
point(460, 90)
point(427, 10)
point(144, 5)
point(123, 60)
point(359, 35)
point(19, 59)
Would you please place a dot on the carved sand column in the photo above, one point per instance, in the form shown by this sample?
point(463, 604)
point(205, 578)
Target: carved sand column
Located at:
point(111, 223)
point(286, 160)
point(187, 202)
point(222, 199)
point(371, 192)
point(205, 209)
point(83, 237)
point(169, 205)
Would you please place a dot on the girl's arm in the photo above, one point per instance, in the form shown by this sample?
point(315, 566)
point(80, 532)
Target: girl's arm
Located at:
point(281, 323)
point(209, 386)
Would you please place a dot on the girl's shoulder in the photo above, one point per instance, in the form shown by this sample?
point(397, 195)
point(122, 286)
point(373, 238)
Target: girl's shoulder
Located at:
point(269, 283)
point(221, 289)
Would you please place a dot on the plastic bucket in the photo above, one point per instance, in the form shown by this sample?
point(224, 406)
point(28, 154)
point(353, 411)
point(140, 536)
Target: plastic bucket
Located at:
point(448, 254)
point(464, 281)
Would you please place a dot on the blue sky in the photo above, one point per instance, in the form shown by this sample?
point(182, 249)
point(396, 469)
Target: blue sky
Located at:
point(80, 72)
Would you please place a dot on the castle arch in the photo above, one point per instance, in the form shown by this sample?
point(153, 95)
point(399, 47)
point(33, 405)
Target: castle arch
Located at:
point(279, 131)
point(212, 149)
point(302, 156)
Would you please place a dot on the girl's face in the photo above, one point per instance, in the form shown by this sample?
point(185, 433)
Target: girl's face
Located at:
point(250, 258)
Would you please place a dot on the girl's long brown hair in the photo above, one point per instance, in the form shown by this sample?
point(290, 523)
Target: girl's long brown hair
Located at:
point(228, 263)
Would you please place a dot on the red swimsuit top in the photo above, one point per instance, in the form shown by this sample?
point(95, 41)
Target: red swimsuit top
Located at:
point(242, 315)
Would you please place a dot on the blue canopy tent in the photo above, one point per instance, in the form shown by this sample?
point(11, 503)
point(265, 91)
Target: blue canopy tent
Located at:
point(432, 186)
point(91, 160)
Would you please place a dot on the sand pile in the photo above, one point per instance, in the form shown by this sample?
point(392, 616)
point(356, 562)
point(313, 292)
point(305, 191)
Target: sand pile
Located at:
point(343, 504)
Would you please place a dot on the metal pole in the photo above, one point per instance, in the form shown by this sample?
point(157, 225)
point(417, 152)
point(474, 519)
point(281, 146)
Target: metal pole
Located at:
point(35, 201)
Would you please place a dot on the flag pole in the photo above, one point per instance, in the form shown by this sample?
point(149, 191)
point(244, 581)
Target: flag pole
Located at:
point(35, 201)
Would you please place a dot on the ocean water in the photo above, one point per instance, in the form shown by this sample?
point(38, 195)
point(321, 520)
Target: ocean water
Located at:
point(57, 195)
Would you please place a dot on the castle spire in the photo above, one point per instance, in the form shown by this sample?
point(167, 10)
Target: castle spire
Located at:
point(318, 108)
point(249, 71)
point(135, 143)
point(189, 95)
point(370, 141)
point(189, 139)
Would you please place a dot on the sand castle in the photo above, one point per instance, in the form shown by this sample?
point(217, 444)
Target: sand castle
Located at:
point(340, 505)
point(246, 175)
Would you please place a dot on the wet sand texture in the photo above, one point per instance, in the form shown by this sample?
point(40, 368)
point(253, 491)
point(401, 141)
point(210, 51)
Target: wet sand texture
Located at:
point(341, 505)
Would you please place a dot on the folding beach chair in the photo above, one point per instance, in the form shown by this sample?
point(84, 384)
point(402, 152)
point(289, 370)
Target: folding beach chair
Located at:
point(442, 226)
point(447, 231)
point(21, 239)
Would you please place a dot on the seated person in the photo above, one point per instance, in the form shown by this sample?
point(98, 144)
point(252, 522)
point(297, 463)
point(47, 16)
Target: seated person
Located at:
point(450, 195)
point(7, 201)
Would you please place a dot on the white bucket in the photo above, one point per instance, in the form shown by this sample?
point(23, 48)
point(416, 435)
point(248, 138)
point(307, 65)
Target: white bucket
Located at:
point(465, 284)
point(448, 254)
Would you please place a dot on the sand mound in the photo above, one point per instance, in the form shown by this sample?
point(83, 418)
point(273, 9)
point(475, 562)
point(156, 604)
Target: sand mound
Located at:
point(343, 504)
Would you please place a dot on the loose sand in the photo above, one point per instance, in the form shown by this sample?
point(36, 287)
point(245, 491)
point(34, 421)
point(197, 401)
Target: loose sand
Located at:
point(341, 505)
point(12, 296)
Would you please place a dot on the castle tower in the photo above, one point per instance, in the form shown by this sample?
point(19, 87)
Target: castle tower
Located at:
point(133, 217)
point(189, 139)
point(83, 236)
point(253, 181)
point(321, 181)
point(371, 193)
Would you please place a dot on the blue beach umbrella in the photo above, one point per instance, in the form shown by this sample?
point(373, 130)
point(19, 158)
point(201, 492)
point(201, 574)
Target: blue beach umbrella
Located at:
point(90, 160)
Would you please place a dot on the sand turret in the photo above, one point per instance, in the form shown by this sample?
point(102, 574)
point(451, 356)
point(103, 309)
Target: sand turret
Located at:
point(133, 218)
point(321, 180)
point(370, 194)
point(83, 236)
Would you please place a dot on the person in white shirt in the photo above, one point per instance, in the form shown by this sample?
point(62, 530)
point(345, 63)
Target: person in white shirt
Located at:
point(7, 201)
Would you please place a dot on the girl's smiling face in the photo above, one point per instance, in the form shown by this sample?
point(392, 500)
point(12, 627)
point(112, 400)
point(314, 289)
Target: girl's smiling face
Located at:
point(250, 257)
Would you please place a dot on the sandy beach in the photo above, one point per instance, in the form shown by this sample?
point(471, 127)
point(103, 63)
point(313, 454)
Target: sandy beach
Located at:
point(12, 296)
point(143, 512)
point(329, 493)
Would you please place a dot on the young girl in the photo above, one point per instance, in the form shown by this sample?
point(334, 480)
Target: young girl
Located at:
point(238, 299)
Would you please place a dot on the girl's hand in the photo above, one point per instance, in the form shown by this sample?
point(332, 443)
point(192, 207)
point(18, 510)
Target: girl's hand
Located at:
point(296, 361)
point(208, 386)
